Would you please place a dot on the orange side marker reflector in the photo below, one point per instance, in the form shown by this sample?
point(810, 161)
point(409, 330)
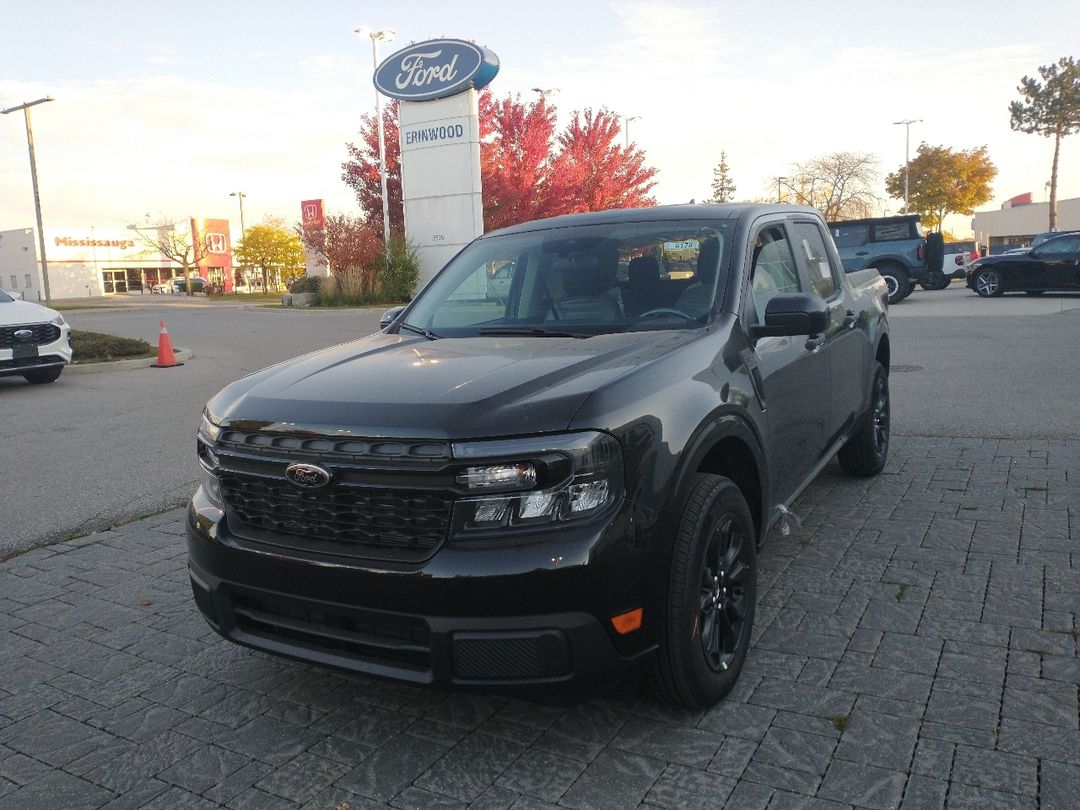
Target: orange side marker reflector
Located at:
point(627, 622)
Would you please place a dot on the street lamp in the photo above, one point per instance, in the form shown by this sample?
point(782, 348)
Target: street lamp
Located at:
point(25, 107)
point(907, 122)
point(626, 126)
point(382, 35)
point(240, 196)
point(779, 180)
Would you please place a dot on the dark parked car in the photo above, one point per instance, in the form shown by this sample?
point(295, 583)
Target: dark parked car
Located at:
point(198, 284)
point(554, 481)
point(1053, 265)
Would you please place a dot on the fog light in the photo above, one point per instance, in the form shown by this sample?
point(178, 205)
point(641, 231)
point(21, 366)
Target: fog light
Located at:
point(591, 495)
point(491, 512)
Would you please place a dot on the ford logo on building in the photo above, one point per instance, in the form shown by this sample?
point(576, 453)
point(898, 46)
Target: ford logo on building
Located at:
point(307, 476)
point(435, 69)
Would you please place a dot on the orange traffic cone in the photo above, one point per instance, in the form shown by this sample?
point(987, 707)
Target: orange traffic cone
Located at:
point(165, 356)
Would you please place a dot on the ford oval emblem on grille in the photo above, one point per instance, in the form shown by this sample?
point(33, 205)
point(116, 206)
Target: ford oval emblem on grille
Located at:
point(23, 334)
point(307, 476)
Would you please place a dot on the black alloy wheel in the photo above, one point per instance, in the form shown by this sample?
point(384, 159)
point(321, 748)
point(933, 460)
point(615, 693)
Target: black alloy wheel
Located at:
point(711, 596)
point(867, 450)
point(722, 610)
point(935, 280)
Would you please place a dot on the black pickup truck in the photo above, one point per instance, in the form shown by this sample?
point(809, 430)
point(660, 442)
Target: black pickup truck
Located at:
point(555, 466)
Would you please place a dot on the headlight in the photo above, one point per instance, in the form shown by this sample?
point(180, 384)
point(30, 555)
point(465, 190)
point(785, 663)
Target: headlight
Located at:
point(58, 320)
point(208, 429)
point(540, 480)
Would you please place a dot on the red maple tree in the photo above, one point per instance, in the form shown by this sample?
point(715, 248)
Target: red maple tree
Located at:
point(526, 171)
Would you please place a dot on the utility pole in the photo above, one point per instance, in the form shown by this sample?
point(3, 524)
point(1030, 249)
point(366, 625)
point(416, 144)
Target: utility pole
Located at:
point(907, 122)
point(25, 107)
point(240, 196)
point(779, 180)
point(382, 35)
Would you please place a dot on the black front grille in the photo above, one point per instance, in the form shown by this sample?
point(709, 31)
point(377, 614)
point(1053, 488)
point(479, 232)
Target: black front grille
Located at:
point(342, 520)
point(386, 638)
point(353, 449)
point(41, 333)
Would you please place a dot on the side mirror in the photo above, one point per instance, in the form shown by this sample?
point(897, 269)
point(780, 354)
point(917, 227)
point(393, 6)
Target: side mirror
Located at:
point(794, 314)
point(390, 316)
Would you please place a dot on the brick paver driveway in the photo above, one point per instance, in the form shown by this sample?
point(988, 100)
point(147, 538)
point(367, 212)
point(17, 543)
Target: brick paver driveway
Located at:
point(916, 646)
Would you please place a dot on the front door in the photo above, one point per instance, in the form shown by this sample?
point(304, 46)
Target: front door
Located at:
point(1061, 266)
point(794, 381)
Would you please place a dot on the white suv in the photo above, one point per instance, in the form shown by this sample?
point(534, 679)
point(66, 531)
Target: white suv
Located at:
point(34, 341)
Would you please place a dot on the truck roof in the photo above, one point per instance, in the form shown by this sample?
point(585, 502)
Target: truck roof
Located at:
point(656, 213)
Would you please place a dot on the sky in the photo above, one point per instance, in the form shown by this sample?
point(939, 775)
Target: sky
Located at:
point(163, 109)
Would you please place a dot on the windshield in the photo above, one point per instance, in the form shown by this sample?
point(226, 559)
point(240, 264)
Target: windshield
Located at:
point(578, 281)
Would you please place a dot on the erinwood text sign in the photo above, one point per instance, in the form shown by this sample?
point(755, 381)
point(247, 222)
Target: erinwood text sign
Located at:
point(436, 68)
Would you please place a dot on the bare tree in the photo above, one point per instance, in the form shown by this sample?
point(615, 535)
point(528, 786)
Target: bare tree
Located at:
point(176, 245)
point(840, 185)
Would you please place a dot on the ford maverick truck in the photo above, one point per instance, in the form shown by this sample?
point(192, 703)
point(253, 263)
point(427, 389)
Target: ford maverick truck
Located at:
point(895, 248)
point(553, 469)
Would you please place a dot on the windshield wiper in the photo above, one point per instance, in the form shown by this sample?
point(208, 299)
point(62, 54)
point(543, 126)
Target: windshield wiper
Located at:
point(532, 331)
point(418, 330)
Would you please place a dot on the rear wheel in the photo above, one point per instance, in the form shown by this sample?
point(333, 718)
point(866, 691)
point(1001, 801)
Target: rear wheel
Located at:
point(865, 453)
point(935, 280)
point(988, 283)
point(711, 594)
point(41, 376)
point(897, 279)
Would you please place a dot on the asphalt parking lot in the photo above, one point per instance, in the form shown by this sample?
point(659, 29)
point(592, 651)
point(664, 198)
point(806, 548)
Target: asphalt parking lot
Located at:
point(915, 647)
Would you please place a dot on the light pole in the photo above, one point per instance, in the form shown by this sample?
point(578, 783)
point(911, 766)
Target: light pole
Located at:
point(382, 35)
point(626, 127)
point(779, 180)
point(240, 196)
point(25, 107)
point(907, 122)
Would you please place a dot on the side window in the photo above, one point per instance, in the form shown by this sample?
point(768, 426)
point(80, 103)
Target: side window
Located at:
point(483, 295)
point(891, 231)
point(772, 269)
point(850, 235)
point(820, 271)
point(1061, 245)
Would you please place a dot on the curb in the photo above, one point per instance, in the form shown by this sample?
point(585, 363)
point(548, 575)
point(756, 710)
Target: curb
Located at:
point(182, 355)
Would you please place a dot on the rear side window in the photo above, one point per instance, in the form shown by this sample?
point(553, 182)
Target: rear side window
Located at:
point(811, 245)
point(850, 235)
point(891, 231)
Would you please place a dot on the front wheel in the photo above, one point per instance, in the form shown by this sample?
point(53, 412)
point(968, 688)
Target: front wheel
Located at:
point(988, 283)
point(711, 594)
point(865, 453)
point(41, 376)
point(898, 281)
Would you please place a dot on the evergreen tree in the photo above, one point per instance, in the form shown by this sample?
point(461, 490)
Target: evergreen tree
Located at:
point(723, 187)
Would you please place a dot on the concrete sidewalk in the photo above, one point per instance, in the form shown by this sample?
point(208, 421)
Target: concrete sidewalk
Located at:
point(915, 647)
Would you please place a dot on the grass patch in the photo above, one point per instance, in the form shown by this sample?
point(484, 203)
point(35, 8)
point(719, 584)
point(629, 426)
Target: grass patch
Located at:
point(96, 347)
point(900, 592)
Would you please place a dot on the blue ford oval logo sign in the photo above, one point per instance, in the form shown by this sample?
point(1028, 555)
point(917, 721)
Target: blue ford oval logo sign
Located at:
point(307, 476)
point(435, 69)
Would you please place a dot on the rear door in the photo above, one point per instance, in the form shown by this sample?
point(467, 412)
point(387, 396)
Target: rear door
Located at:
point(845, 346)
point(1061, 263)
point(792, 381)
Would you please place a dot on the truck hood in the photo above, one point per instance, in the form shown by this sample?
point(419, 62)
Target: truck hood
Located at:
point(453, 388)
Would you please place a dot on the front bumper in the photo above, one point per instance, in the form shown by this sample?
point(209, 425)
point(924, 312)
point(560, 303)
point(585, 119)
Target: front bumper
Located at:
point(48, 355)
point(533, 617)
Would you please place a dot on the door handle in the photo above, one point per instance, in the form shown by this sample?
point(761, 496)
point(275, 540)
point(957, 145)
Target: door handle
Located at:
point(862, 252)
point(815, 342)
point(850, 319)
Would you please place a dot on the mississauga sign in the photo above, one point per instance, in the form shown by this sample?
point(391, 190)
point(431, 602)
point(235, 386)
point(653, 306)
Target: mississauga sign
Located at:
point(436, 68)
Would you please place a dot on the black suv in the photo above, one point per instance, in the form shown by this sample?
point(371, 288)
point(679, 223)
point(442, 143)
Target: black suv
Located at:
point(543, 472)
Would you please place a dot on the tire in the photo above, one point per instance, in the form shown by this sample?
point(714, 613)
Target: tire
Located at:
point(988, 283)
point(712, 589)
point(42, 376)
point(935, 280)
point(898, 280)
point(935, 251)
point(866, 452)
